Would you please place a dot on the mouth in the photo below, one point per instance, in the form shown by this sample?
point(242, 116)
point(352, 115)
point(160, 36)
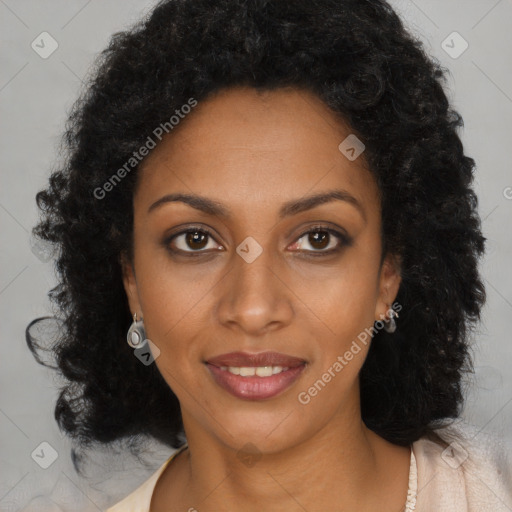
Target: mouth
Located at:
point(255, 376)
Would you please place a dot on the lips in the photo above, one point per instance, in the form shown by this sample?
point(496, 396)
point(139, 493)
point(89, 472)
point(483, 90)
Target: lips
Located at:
point(255, 376)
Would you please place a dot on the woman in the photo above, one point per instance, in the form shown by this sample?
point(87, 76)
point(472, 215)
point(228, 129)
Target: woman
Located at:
point(268, 205)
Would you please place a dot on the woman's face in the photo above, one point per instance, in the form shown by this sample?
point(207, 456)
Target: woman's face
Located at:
point(266, 277)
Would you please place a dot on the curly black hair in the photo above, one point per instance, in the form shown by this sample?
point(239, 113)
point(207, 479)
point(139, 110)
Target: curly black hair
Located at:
point(358, 58)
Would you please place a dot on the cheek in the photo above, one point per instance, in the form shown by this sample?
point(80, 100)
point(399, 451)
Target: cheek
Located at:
point(345, 303)
point(173, 301)
point(343, 295)
point(171, 295)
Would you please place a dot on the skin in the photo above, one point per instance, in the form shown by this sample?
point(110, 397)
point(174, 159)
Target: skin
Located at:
point(254, 151)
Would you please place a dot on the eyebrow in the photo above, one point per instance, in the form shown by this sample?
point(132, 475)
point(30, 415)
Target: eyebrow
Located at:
point(293, 207)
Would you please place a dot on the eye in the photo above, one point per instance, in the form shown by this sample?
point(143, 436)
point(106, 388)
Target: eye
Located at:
point(194, 239)
point(323, 240)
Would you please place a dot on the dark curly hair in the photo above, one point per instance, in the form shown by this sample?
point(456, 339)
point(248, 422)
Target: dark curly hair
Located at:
point(358, 58)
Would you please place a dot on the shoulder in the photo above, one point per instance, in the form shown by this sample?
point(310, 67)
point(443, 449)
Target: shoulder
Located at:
point(470, 471)
point(140, 499)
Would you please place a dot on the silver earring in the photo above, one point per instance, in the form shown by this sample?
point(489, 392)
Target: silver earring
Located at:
point(390, 325)
point(136, 336)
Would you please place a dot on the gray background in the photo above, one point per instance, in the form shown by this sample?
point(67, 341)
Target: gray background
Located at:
point(35, 96)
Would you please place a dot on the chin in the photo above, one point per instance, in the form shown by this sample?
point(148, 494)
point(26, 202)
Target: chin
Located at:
point(269, 428)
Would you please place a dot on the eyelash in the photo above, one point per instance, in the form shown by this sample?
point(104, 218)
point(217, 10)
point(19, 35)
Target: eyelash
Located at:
point(344, 240)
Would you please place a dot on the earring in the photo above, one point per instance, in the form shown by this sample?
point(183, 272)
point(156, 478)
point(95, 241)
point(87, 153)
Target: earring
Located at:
point(136, 336)
point(390, 325)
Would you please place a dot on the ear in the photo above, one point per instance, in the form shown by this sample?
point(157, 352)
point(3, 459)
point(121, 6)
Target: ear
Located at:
point(389, 283)
point(130, 286)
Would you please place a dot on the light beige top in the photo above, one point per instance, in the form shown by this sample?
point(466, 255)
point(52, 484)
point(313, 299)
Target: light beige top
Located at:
point(455, 479)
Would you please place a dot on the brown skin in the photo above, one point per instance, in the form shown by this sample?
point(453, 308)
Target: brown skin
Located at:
point(252, 152)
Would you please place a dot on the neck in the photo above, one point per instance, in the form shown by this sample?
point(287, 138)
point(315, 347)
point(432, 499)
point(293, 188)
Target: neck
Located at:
point(344, 463)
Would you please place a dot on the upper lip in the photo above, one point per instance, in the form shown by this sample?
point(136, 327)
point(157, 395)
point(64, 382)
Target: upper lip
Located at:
point(239, 359)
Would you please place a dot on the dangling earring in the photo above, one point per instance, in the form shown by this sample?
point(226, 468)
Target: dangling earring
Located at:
point(136, 336)
point(390, 325)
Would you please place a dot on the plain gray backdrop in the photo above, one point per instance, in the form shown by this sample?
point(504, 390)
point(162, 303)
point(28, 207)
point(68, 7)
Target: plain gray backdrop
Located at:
point(36, 94)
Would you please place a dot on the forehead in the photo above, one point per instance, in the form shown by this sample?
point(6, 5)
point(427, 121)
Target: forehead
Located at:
point(256, 146)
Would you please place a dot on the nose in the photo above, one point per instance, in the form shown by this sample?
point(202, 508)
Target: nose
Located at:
point(255, 296)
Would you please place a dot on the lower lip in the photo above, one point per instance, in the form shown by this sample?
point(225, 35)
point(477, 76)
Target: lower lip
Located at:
point(255, 388)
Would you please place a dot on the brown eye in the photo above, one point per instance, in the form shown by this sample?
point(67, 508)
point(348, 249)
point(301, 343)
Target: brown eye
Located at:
point(322, 240)
point(196, 239)
point(192, 240)
point(319, 239)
